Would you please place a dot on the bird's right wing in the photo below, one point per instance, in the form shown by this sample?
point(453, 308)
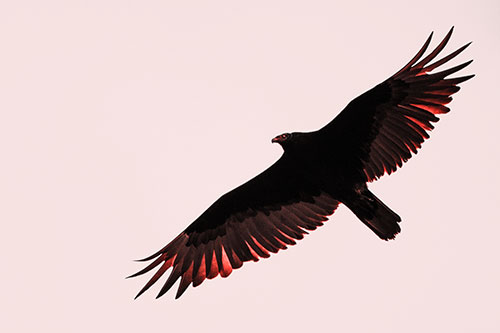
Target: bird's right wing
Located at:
point(262, 216)
point(380, 129)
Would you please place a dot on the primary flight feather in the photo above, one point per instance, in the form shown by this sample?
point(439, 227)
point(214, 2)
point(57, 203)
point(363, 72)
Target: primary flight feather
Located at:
point(375, 134)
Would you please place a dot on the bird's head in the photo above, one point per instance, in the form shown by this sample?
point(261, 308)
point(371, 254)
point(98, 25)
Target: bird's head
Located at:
point(282, 139)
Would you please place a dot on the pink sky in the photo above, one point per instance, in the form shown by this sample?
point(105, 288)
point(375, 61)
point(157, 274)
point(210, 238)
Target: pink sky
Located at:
point(122, 121)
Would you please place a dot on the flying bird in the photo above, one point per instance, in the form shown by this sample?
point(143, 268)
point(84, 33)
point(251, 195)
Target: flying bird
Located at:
point(375, 134)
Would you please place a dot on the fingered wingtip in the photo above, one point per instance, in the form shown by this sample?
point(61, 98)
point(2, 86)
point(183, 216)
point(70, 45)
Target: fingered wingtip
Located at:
point(466, 78)
point(448, 35)
point(144, 259)
point(430, 37)
point(146, 287)
point(450, 31)
point(467, 63)
point(163, 291)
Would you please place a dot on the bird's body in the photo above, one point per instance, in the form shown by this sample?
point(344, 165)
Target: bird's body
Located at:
point(375, 134)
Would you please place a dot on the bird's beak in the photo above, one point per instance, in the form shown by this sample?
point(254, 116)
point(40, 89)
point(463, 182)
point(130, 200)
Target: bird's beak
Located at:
point(274, 140)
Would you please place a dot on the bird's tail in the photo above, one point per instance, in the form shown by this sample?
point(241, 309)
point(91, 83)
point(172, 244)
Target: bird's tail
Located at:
point(375, 214)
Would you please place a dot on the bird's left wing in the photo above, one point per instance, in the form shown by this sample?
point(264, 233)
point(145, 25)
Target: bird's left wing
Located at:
point(380, 129)
point(260, 217)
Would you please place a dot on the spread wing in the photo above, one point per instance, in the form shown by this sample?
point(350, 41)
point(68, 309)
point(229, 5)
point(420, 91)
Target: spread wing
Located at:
point(382, 128)
point(260, 217)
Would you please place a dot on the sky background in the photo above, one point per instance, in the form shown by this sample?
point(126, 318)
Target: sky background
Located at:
point(122, 121)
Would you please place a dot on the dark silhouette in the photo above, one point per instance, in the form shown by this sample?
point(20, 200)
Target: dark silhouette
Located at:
point(373, 135)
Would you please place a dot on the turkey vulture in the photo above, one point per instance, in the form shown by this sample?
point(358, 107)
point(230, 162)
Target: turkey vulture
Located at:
point(373, 135)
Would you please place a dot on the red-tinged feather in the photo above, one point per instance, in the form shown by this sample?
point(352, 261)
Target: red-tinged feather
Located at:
point(197, 258)
point(201, 274)
point(260, 247)
point(412, 146)
point(269, 228)
point(430, 100)
point(257, 249)
point(211, 263)
point(186, 280)
point(226, 268)
point(255, 254)
point(188, 259)
point(218, 253)
point(234, 250)
point(423, 134)
point(233, 241)
point(214, 269)
point(246, 241)
point(288, 229)
point(269, 242)
point(422, 124)
point(262, 240)
point(275, 243)
point(433, 108)
point(236, 262)
point(417, 113)
point(370, 173)
point(289, 239)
